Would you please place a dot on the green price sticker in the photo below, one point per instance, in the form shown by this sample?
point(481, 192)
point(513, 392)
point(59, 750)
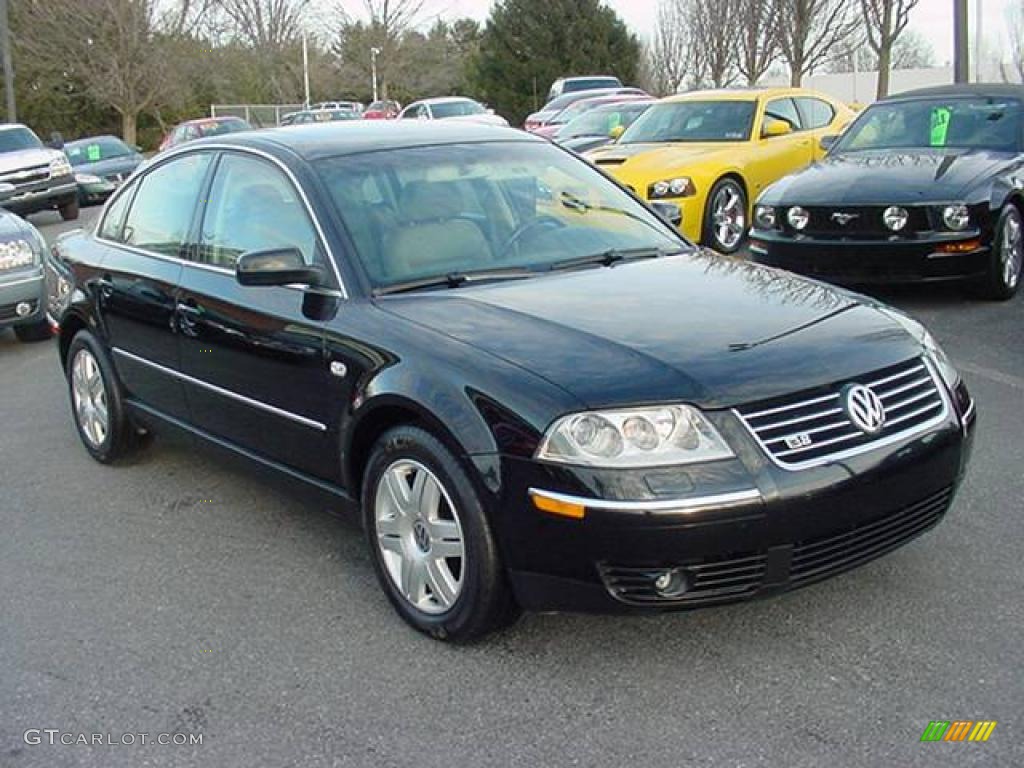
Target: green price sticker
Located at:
point(940, 126)
point(93, 152)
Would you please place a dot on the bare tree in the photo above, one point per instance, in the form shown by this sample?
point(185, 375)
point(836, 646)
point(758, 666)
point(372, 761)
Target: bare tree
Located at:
point(1015, 32)
point(758, 37)
point(884, 22)
point(811, 32)
point(267, 25)
point(668, 58)
point(714, 33)
point(387, 22)
point(912, 51)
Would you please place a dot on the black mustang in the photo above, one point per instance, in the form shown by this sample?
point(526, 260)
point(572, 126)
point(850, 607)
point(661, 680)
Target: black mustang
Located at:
point(540, 395)
point(927, 185)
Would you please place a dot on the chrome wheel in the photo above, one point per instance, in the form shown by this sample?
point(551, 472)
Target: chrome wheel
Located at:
point(419, 536)
point(728, 216)
point(90, 398)
point(1012, 250)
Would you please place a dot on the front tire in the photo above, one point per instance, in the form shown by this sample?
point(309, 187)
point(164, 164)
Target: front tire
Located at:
point(725, 216)
point(1006, 260)
point(69, 211)
point(37, 331)
point(431, 545)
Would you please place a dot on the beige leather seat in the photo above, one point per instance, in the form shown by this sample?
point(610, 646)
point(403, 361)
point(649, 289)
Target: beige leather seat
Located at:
point(433, 240)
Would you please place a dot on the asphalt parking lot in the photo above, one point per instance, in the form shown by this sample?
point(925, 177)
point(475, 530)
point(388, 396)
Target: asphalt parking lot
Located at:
point(187, 593)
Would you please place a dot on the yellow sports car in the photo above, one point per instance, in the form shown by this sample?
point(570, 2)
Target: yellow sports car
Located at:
point(712, 152)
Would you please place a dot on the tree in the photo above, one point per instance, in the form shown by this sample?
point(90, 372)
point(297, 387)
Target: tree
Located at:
point(884, 22)
point(758, 43)
point(714, 29)
point(385, 25)
point(527, 44)
point(810, 32)
point(912, 51)
point(1015, 32)
point(667, 61)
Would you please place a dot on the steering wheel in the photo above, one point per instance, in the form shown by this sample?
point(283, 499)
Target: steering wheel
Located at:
point(520, 232)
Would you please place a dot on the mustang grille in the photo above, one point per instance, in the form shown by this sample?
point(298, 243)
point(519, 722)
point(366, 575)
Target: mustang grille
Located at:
point(813, 427)
point(862, 221)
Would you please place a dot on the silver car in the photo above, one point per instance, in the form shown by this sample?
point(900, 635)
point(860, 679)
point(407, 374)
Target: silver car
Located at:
point(21, 275)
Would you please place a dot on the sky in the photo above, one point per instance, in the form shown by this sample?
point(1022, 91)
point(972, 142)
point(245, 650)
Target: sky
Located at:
point(931, 18)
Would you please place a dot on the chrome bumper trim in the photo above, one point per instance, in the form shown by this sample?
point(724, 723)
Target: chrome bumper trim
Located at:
point(686, 504)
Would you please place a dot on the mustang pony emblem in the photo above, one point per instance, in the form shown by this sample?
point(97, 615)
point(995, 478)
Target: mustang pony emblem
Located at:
point(842, 219)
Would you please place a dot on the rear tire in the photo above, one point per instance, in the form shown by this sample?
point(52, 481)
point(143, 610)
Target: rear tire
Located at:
point(1006, 259)
point(37, 331)
point(725, 216)
point(69, 211)
point(431, 545)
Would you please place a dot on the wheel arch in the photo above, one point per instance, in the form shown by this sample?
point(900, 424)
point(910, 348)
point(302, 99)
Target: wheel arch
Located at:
point(70, 325)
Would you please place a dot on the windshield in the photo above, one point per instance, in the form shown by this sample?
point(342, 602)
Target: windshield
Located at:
point(693, 121)
point(968, 123)
point(222, 126)
point(600, 121)
point(456, 108)
point(14, 139)
point(590, 83)
point(95, 150)
point(434, 211)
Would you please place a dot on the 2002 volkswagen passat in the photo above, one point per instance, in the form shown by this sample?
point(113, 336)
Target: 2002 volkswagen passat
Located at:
point(540, 396)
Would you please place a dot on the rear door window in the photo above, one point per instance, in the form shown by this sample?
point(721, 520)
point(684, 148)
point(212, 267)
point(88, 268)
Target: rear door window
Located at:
point(785, 110)
point(162, 211)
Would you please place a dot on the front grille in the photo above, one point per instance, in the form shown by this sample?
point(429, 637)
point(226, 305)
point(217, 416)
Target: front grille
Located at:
point(729, 577)
point(26, 176)
point(9, 311)
point(866, 222)
point(819, 558)
point(813, 427)
point(115, 177)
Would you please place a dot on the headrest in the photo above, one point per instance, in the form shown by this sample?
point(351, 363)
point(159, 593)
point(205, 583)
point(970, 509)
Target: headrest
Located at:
point(424, 201)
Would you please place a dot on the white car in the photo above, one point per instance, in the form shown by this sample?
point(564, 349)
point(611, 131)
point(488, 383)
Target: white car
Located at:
point(452, 108)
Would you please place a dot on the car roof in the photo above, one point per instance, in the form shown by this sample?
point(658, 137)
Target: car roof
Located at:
point(613, 98)
point(445, 100)
point(87, 139)
point(12, 126)
point(208, 120)
point(317, 141)
point(741, 94)
point(995, 90)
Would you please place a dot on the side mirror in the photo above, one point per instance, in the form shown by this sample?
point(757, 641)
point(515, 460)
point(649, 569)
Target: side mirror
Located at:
point(827, 142)
point(279, 266)
point(616, 133)
point(773, 128)
point(670, 212)
point(6, 191)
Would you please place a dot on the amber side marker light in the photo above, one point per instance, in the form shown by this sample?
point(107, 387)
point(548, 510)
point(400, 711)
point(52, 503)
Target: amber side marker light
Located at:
point(556, 507)
point(964, 246)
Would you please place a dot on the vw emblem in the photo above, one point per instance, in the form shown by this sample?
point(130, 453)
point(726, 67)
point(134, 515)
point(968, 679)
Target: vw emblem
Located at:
point(421, 536)
point(864, 408)
point(842, 219)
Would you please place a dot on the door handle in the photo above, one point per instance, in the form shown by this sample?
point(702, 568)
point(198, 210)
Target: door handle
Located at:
point(106, 286)
point(188, 317)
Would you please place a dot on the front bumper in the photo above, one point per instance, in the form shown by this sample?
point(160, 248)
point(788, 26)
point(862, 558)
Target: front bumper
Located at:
point(728, 531)
point(867, 261)
point(42, 195)
point(95, 191)
point(19, 289)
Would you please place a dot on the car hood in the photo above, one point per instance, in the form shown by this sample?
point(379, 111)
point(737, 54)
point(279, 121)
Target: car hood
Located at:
point(879, 178)
point(699, 328)
point(125, 164)
point(580, 144)
point(13, 226)
point(658, 160)
point(26, 158)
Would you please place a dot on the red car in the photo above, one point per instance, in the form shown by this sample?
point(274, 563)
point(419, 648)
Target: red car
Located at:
point(574, 110)
point(384, 109)
point(202, 127)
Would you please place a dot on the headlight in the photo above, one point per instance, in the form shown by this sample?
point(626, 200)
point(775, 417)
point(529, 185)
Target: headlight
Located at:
point(798, 217)
point(956, 217)
point(895, 218)
point(933, 351)
point(764, 216)
point(16, 253)
point(678, 187)
point(59, 166)
point(636, 437)
point(87, 178)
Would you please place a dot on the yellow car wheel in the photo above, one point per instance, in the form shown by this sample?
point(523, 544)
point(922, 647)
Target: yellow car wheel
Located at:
point(725, 216)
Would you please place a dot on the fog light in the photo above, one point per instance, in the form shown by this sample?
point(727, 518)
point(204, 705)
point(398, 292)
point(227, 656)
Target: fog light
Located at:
point(798, 217)
point(671, 583)
point(24, 309)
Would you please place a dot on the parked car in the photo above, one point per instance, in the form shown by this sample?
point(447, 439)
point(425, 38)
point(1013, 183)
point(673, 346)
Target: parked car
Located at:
point(553, 108)
point(319, 116)
point(350, 106)
point(452, 108)
point(713, 152)
point(565, 85)
point(22, 288)
point(538, 393)
point(201, 128)
point(101, 164)
point(923, 186)
point(577, 108)
point(601, 125)
point(41, 176)
point(385, 109)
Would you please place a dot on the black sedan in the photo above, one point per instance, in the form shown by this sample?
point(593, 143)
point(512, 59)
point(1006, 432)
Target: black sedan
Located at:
point(924, 186)
point(101, 164)
point(536, 392)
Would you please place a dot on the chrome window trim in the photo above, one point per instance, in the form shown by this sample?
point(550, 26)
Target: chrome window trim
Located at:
point(686, 504)
point(174, 153)
point(866, 447)
point(224, 392)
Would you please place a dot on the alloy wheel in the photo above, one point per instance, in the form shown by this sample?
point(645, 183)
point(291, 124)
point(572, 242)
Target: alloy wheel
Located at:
point(419, 536)
point(1012, 251)
point(729, 216)
point(89, 394)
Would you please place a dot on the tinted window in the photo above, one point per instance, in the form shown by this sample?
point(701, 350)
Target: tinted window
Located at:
point(253, 207)
point(783, 109)
point(218, 127)
point(18, 138)
point(161, 213)
point(112, 224)
point(456, 109)
point(816, 113)
point(586, 84)
point(693, 121)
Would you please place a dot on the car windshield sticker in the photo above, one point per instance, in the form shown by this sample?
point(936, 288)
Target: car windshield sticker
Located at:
point(93, 152)
point(940, 126)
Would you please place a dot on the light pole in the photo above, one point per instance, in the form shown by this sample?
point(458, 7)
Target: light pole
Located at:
point(5, 43)
point(374, 53)
point(961, 71)
point(305, 70)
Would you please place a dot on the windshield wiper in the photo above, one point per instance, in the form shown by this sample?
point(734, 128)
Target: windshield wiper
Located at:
point(614, 256)
point(454, 280)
